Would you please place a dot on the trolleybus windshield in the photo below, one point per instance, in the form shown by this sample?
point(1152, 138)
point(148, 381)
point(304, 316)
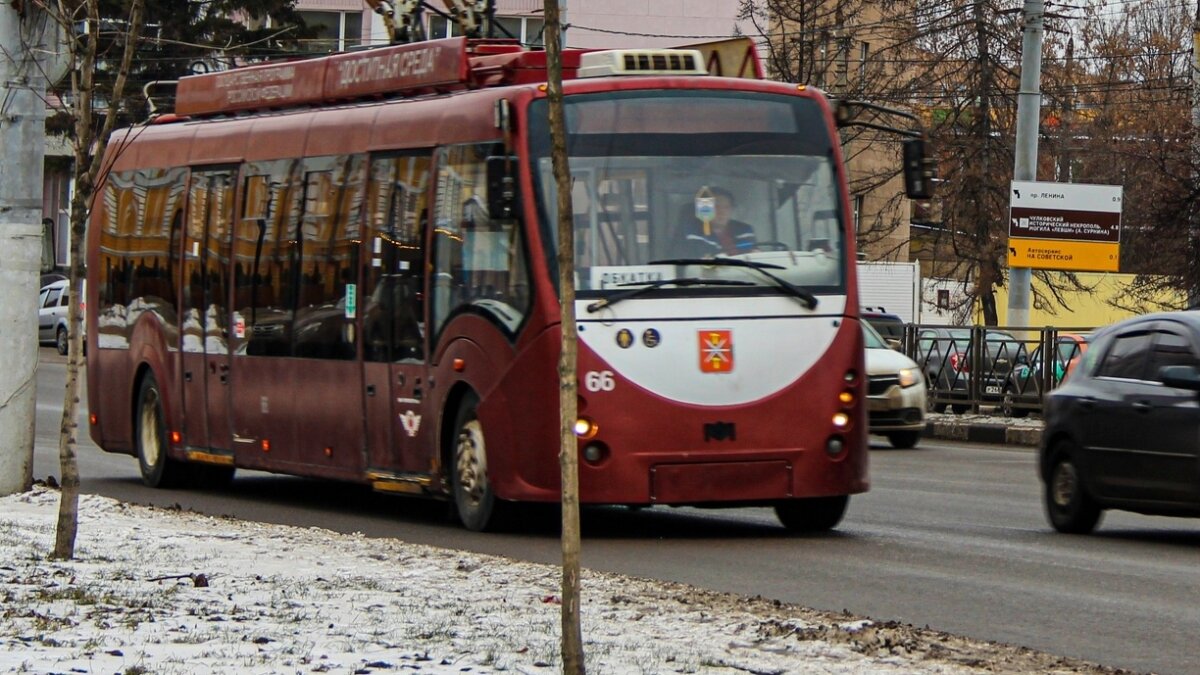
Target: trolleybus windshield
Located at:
point(668, 176)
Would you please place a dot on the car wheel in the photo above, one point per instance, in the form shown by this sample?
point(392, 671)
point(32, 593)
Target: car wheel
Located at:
point(60, 340)
point(158, 469)
point(960, 408)
point(474, 500)
point(903, 440)
point(1008, 405)
point(930, 390)
point(1069, 507)
point(816, 514)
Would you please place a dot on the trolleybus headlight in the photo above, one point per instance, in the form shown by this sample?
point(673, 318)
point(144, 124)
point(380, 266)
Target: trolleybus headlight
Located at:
point(846, 397)
point(841, 420)
point(586, 429)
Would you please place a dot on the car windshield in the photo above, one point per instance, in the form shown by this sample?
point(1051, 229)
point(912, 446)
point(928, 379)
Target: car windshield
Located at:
point(872, 337)
point(663, 179)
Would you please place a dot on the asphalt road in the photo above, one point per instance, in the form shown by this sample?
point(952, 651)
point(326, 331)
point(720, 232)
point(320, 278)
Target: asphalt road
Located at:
point(951, 536)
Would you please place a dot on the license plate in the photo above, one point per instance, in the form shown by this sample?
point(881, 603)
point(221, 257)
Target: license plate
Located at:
point(991, 390)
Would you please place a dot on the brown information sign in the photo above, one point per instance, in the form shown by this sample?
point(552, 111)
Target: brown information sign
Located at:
point(1065, 226)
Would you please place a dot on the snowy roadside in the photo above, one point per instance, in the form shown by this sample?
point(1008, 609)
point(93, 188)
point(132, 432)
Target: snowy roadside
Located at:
point(164, 591)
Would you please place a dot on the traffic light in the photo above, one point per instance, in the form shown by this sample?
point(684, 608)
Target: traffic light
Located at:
point(919, 169)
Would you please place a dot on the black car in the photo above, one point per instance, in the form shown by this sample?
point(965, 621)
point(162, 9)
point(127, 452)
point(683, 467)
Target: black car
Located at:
point(889, 326)
point(1123, 432)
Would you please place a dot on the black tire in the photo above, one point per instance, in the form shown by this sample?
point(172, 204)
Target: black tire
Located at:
point(816, 514)
point(960, 408)
point(60, 341)
point(150, 427)
point(474, 499)
point(903, 440)
point(1008, 405)
point(1069, 507)
point(930, 390)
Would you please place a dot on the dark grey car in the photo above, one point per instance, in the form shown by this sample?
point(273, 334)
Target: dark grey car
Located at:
point(945, 356)
point(1123, 432)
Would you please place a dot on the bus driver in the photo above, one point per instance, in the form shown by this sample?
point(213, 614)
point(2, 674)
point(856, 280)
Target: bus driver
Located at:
point(722, 234)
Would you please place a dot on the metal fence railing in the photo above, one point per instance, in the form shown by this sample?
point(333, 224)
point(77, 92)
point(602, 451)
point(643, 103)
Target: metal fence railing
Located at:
point(1007, 369)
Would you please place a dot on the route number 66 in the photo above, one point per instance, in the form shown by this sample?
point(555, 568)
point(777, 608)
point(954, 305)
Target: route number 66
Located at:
point(599, 380)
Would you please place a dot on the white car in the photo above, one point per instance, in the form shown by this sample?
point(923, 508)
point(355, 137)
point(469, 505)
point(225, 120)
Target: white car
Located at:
point(895, 392)
point(53, 302)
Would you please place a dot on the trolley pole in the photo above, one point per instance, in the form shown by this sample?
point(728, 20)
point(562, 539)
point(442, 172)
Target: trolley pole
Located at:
point(1029, 104)
point(22, 152)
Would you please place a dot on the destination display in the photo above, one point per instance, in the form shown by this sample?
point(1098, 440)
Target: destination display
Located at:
point(372, 72)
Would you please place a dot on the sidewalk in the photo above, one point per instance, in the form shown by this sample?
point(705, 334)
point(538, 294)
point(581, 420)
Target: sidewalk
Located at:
point(984, 428)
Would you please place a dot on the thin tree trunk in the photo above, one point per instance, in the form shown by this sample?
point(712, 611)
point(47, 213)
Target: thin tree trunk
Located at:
point(572, 633)
point(89, 156)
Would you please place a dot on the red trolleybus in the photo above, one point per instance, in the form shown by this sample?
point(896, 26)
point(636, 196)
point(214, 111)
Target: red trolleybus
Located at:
point(344, 268)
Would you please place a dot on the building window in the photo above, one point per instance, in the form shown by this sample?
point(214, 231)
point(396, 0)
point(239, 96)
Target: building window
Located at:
point(335, 31)
point(859, 200)
point(528, 30)
point(864, 50)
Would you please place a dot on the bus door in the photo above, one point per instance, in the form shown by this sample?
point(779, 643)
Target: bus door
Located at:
point(262, 390)
point(204, 332)
point(328, 392)
point(399, 422)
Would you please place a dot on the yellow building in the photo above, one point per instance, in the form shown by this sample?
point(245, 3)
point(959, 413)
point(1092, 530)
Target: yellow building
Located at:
point(1088, 309)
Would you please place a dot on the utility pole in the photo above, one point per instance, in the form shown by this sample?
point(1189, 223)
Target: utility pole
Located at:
point(1029, 104)
point(22, 152)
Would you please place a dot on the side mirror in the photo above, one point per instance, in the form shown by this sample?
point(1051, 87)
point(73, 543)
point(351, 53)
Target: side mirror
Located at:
point(893, 343)
point(919, 169)
point(502, 187)
point(1180, 377)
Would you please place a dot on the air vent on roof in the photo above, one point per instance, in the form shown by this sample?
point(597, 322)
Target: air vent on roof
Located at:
point(642, 62)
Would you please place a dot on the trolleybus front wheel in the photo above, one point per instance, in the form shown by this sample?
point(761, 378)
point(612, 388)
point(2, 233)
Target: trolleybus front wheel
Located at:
point(158, 470)
point(816, 514)
point(473, 496)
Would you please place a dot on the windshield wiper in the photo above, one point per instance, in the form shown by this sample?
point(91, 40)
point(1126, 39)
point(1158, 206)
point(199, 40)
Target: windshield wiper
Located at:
point(809, 300)
point(658, 283)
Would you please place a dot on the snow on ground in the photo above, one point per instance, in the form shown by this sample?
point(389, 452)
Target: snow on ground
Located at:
point(164, 591)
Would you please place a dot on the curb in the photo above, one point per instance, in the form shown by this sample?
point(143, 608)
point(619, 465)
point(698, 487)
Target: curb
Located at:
point(984, 433)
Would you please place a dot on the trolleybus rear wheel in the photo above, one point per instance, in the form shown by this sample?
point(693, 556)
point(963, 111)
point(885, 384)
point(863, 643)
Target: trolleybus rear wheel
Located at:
point(473, 496)
point(816, 514)
point(158, 469)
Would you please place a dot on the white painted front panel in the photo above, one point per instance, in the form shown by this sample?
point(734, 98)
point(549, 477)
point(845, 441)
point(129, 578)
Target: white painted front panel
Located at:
point(775, 341)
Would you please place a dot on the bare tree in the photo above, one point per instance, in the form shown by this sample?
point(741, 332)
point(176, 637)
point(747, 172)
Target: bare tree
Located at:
point(568, 384)
point(89, 143)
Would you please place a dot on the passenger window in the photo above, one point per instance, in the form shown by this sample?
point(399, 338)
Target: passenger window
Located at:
point(1170, 349)
point(1127, 357)
point(479, 262)
point(264, 249)
point(327, 297)
point(394, 298)
point(52, 297)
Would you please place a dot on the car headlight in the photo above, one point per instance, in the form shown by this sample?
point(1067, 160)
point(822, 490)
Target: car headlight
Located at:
point(909, 377)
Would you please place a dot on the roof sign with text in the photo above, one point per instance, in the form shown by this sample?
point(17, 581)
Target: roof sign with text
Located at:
point(374, 72)
point(1064, 226)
